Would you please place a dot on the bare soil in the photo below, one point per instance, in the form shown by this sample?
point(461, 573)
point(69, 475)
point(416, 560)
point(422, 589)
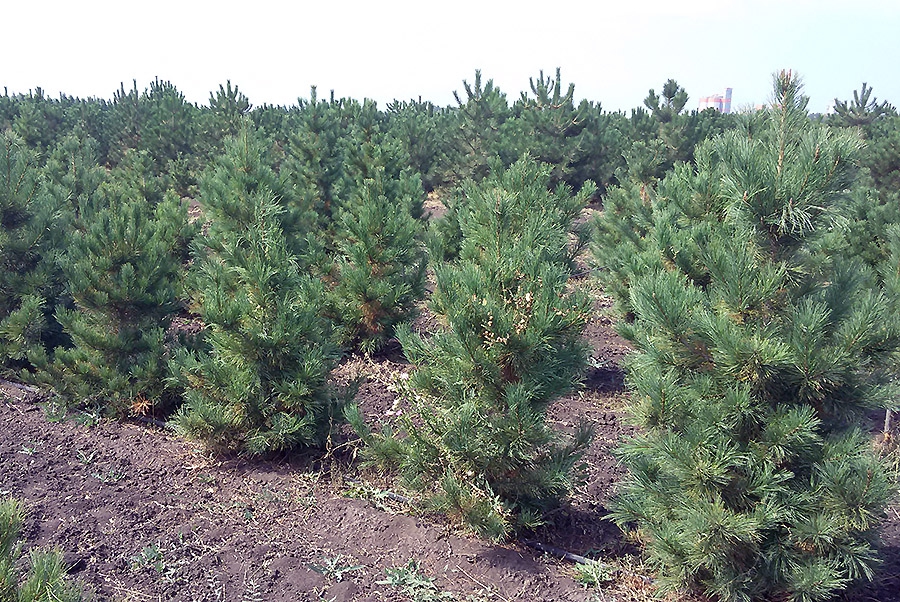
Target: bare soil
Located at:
point(143, 515)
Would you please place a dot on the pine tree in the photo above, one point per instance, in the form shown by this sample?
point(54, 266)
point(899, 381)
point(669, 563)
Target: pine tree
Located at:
point(122, 269)
point(863, 110)
point(422, 130)
point(479, 445)
point(239, 174)
point(34, 216)
point(549, 125)
point(757, 358)
point(380, 270)
point(315, 157)
point(603, 142)
point(260, 385)
point(40, 120)
point(668, 134)
point(482, 137)
point(162, 124)
point(228, 109)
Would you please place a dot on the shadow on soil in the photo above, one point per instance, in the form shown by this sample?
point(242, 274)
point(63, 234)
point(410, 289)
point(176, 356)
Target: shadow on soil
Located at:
point(605, 379)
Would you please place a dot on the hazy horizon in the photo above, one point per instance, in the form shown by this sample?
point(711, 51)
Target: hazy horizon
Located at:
point(613, 52)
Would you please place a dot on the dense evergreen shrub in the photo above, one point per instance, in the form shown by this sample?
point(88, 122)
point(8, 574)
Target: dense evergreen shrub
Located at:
point(26, 214)
point(259, 383)
point(380, 267)
point(122, 269)
point(758, 356)
point(478, 443)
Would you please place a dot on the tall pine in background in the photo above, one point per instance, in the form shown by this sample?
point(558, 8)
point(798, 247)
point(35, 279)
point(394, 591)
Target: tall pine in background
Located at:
point(758, 356)
point(481, 138)
point(379, 274)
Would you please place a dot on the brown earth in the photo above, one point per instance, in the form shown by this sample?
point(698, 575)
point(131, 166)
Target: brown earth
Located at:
point(143, 515)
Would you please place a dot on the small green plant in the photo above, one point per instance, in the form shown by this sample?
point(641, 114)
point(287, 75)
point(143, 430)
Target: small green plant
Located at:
point(28, 451)
point(88, 417)
point(335, 568)
point(46, 578)
point(413, 584)
point(252, 591)
point(594, 573)
point(150, 556)
point(110, 476)
point(384, 500)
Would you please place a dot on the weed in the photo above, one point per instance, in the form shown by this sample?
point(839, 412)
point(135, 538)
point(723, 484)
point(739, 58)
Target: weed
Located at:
point(112, 475)
point(245, 509)
point(28, 451)
point(216, 588)
point(88, 417)
point(594, 574)
point(335, 568)
point(415, 585)
point(307, 501)
point(150, 556)
point(252, 591)
point(379, 498)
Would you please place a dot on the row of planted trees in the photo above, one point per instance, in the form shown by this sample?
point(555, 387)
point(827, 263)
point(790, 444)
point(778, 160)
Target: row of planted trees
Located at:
point(170, 138)
point(759, 296)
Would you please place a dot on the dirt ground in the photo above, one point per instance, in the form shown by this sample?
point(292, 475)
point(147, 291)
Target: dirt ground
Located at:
point(143, 515)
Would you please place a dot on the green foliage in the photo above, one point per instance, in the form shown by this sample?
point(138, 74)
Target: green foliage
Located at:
point(549, 125)
point(315, 156)
point(162, 124)
point(882, 156)
point(39, 120)
point(481, 139)
point(758, 356)
point(421, 129)
point(667, 134)
point(260, 385)
point(228, 110)
point(19, 190)
point(862, 110)
point(34, 216)
point(479, 444)
point(121, 268)
point(865, 233)
point(673, 99)
point(46, 579)
point(415, 586)
point(241, 173)
point(380, 268)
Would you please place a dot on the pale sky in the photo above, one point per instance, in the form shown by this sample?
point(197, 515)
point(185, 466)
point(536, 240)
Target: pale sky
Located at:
point(613, 51)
